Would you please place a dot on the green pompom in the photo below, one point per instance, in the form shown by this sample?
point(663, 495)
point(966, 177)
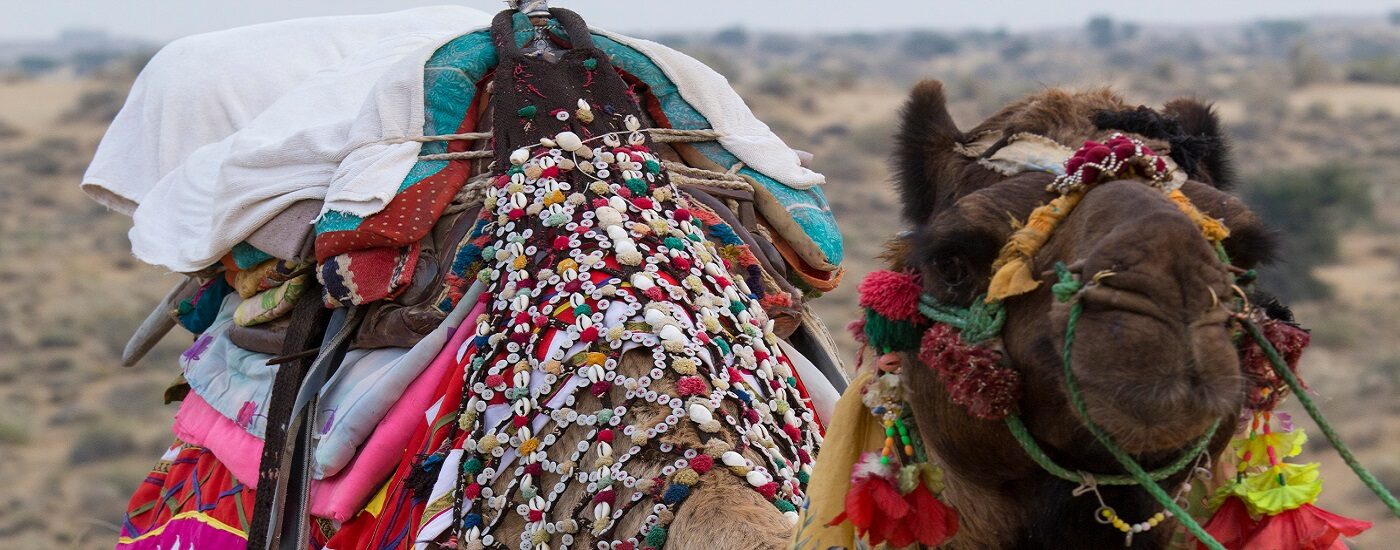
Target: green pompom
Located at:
point(888, 335)
point(656, 537)
point(636, 186)
point(783, 505)
point(653, 167)
point(803, 477)
point(590, 63)
point(528, 111)
point(673, 243)
point(472, 465)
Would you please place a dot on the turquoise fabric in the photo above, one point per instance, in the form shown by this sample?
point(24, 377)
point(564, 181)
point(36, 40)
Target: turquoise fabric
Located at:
point(247, 256)
point(449, 85)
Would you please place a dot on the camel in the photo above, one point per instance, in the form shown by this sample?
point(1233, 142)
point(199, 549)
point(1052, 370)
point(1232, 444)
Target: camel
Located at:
point(1154, 357)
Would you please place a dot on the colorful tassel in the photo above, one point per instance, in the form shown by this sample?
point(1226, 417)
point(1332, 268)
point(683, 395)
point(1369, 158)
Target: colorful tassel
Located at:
point(882, 515)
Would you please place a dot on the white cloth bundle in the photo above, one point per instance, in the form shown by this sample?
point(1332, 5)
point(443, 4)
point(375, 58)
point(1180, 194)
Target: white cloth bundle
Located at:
point(222, 131)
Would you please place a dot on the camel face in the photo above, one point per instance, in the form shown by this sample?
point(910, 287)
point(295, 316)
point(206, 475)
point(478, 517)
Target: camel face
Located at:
point(1153, 355)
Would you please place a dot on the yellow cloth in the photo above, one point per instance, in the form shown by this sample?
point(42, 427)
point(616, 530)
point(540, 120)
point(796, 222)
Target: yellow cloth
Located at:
point(853, 432)
point(1212, 228)
point(1012, 270)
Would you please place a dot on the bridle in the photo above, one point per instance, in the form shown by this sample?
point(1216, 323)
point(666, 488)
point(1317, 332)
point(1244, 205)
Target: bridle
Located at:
point(1120, 158)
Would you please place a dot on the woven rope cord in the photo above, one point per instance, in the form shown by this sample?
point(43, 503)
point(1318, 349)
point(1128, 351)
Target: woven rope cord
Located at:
point(464, 155)
point(689, 175)
point(1294, 384)
point(981, 322)
point(469, 136)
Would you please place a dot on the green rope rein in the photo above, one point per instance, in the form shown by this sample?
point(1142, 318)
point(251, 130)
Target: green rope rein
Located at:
point(1022, 434)
point(979, 322)
point(1294, 384)
point(1064, 290)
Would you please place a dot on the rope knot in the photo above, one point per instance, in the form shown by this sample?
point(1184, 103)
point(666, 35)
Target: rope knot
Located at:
point(1067, 285)
point(977, 323)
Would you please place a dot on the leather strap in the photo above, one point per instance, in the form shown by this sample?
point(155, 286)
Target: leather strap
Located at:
point(308, 324)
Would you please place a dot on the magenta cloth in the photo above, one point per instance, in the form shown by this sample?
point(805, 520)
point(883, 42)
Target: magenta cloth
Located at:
point(343, 495)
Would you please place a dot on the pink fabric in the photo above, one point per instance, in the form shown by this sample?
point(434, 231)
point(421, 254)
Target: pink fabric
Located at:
point(341, 496)
point(198, 423)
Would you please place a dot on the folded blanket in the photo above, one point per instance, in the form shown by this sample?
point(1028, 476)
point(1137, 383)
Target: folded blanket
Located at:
point(271, 304)
point(341, 495)
point(333, 119)
point(269, 274)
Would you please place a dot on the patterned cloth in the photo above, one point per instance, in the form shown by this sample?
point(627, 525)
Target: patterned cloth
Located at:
point(189, 500)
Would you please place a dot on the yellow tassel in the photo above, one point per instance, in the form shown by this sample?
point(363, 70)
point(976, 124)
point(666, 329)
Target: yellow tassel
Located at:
point(1012, 270)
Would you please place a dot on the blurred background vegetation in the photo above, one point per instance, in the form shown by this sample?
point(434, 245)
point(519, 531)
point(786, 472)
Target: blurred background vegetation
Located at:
point(1313, 108)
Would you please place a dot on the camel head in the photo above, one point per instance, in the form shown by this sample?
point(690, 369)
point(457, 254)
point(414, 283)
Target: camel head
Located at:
point(1153, 353)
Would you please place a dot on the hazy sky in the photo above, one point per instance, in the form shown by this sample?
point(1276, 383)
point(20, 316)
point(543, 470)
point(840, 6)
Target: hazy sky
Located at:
point(166, 19)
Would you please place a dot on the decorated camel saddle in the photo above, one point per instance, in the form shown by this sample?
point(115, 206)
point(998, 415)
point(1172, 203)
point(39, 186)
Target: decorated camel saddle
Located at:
point(529, 286)
point(1068, 349)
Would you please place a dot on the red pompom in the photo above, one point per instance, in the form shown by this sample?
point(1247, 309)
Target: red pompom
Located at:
point(681, 214)
point(681, 263)
point(691, 385)
point(588, 335)
point(1266, 388)
point(792, 432)
point(1072, 165)
point(1097, 153)
point(561, 243)
point(472, 491)
point(974, 375)
point(536, 515)
point(599, 388)
point(605, 435)
point(768, 490)
point(495, 381)
point(606, 495)
point(1123, 148)
point(1089, 174)
point(893, 295)
point(643, 202)
point(702, 463)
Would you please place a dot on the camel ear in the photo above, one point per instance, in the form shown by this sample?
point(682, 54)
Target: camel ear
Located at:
point(1202, 148)
point(956, 250)
point(924, 152)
